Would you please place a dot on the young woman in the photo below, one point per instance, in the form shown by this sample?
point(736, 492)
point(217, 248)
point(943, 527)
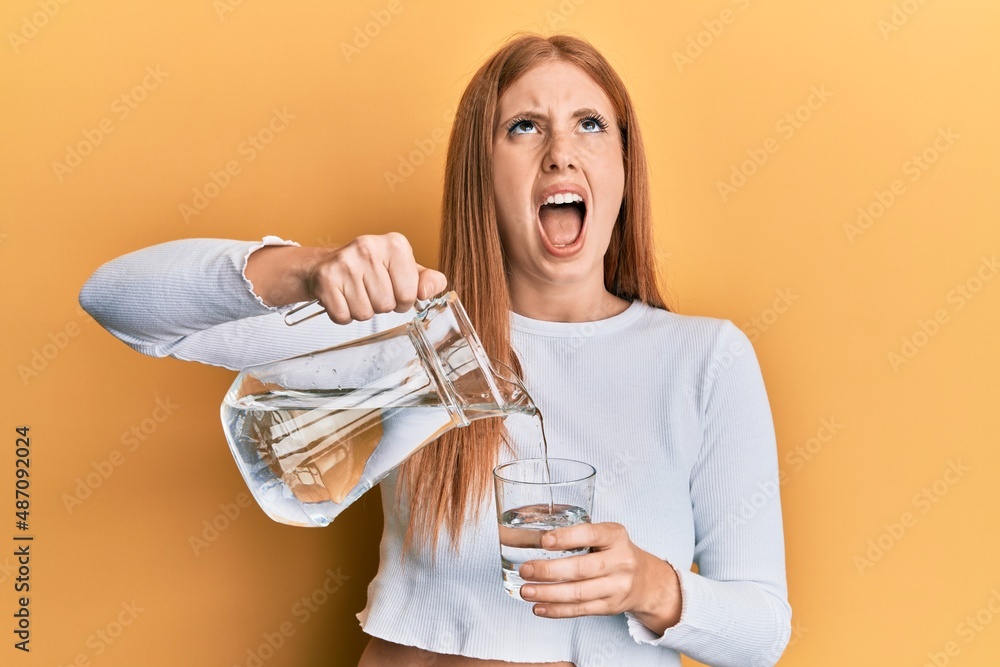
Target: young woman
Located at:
point(547, 239)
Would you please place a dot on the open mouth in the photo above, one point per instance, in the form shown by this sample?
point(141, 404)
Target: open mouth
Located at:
point(562, 219)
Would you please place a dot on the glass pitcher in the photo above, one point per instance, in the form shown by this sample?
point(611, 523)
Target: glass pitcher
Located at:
point(312, 433)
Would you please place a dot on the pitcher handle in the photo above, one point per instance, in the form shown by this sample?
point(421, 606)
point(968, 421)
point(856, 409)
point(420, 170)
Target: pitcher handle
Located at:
point(419, 304)
point(314, 302)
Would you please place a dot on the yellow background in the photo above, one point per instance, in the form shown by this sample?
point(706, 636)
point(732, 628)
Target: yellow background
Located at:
point(832, 305)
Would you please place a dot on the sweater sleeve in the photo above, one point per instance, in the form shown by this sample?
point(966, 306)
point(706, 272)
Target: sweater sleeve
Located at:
point(735, 610)
point(190, 299)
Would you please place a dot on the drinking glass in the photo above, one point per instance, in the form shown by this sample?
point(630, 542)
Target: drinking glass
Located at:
point(532, 497)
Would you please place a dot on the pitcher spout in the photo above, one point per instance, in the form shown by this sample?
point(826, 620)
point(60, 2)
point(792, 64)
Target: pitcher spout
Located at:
point(514, 397)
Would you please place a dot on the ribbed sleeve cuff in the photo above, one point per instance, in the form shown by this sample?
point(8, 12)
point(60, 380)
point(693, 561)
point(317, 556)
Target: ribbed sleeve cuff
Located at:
point(720, 620)
point(643, 635)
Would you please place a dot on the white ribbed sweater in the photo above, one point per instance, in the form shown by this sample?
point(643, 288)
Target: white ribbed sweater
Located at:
point(670, 409)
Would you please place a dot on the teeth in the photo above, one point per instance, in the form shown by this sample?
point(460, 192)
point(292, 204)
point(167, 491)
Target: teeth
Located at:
point(564, 198)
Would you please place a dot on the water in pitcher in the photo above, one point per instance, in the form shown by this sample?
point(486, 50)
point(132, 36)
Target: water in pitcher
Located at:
point(322, 449)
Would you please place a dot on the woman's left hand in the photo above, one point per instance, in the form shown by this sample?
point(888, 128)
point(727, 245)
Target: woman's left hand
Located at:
point(616, 576)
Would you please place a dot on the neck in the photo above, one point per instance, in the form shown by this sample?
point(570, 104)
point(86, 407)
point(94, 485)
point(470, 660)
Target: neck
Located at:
point(565, 303)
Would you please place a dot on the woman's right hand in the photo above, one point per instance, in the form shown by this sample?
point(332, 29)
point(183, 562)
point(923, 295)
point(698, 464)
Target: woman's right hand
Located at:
point(371, 274)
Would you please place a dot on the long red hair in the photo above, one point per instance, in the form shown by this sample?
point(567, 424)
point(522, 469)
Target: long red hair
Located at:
point(452, 476)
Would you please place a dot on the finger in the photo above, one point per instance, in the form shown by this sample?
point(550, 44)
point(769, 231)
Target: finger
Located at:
point(357, 297)
point(403, 274)
point(335, 304)
point(602, 607)
point(599, 535)
point(326, 286)
point(378, 286)
point(570, 568)
point(585, 590)
point(430, 282)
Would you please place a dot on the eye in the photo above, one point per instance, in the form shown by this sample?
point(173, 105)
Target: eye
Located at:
point(521, 126)
point(595, 123)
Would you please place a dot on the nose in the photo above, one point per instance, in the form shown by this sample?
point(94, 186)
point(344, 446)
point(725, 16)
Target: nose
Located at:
point(559, 153)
